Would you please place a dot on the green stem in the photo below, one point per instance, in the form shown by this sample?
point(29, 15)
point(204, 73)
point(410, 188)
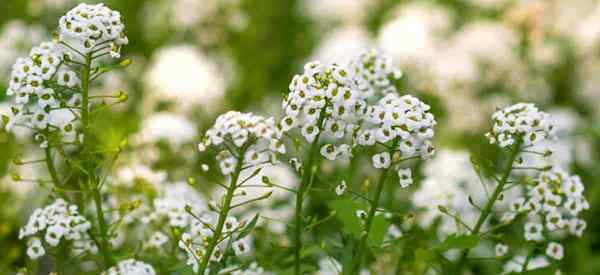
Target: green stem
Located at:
point(218, 234)
point(53, 173)
point(305, 182)
point(357, 261)
point(490, 203)
point(91, 178)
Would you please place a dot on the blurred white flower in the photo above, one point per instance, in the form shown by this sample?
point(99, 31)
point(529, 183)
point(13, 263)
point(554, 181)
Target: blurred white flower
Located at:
point(16, 38)
point(341, 44)
point(413, 35)
point(449, 180)
point(337, 11)
point(186, 77)
point(172, 128)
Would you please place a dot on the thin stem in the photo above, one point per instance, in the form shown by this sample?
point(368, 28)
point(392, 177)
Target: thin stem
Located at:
point(52, 171)
point(358, 253)
point(305, 182)
point(218, 232)
point(91, 179)
point(487, 209)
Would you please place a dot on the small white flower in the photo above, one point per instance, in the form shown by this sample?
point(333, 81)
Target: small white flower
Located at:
point(501, 250)
point(329, 151)
point(555, 251)
point(241, 247)
point(405, 176)
point(533, 232)
point(35, 249)
point(341, 188)
point(381, 160)
point(361, 214)
point(577, 226)
point(158, 239)
point(205, 167)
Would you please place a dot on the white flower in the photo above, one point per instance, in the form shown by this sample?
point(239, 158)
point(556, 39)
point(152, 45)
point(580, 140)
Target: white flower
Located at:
point(93, 28)
point(259, 136)
point(329, 151)
point(129, 267)
point(520, 121)
point(174, 129)
point(186, 77)
point(361, 214)
point(35, 249)
point(577, 226)
point(341, 188)
point(501, 250)
point(533, 232)
point(405, 176)
point(59, 220)
point(158, 239)
point(205, 167)
point(381, 160)
point(555, 251)
point(241, 247)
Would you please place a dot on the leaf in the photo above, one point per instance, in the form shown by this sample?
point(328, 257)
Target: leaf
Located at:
point(345, 211)
point(378, 230)
point(455, 241)
point(248, 227)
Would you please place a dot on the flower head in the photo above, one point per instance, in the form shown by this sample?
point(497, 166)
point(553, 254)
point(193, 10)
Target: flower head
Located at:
point(522, 121)
point(130, 266)
point(91, 28)
point(258, 136)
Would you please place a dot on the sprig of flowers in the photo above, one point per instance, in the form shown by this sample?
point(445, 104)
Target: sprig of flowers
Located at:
point(56, 222)
point(244, 141)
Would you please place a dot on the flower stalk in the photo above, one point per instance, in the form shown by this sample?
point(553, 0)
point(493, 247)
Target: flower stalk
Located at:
point(374, 204)
point(224, 211)
point(305, 182)
point(487, 209)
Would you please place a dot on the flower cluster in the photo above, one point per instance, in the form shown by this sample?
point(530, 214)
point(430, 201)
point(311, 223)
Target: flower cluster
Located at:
point(195, 242)
point(403, 120)
point(522, 121)
point(57, 221)
point(172, 205)
point(552, 204)
point(130, 266)
point(93, 28)
point(41, 86)
point(259, 138)
point(323, 98)
point(374, 72)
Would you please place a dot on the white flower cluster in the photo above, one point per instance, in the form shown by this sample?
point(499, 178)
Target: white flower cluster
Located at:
point(522, 121)
point(130, 267)
point(195, 242)
point(93, 28)
point(553, 204)
point(41, 89)
point(325, 95)
point(259, 137)
point(171, 205)
point(406, 121)
point(374, 72)
point(57, 221)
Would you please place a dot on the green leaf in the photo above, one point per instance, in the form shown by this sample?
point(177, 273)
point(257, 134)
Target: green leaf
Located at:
point(378, 230)
point(248, 227)
point(345, 211)
point(455, 241)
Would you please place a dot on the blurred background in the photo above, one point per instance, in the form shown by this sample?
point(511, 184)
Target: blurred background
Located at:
point(193, 59)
